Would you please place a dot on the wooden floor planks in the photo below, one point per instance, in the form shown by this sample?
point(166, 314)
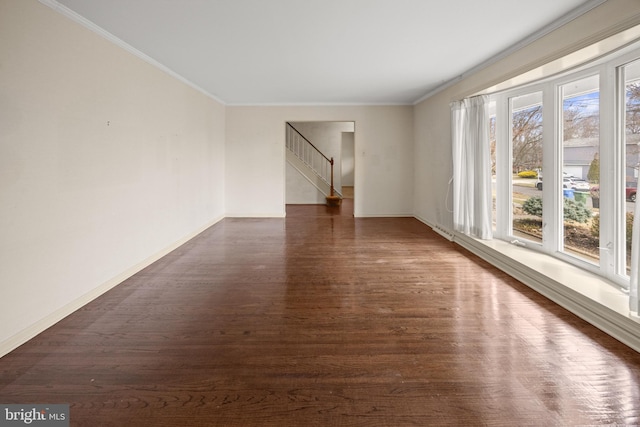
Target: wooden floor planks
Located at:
point(321, 319)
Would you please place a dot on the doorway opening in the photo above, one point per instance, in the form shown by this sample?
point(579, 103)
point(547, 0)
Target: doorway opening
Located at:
point(310, 146)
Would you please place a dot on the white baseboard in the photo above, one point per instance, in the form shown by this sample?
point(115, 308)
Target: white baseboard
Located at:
point(40, 326)
point(389, 215)
point(252, 215)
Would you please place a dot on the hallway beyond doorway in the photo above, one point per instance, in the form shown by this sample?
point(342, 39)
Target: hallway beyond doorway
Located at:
point(312, 143)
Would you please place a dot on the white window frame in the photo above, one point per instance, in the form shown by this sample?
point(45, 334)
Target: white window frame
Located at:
point(615, 68)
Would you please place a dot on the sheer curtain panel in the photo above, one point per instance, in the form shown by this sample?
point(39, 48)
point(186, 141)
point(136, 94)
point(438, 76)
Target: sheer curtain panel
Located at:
point(471, 167)
point(634, 297)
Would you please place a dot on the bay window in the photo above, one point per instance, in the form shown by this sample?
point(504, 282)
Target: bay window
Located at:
point(565, 164)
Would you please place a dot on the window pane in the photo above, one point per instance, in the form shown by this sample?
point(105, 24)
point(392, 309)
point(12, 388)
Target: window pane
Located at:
point(631, 140)
point(492, 144)
point(526, 145)
point(581, 168)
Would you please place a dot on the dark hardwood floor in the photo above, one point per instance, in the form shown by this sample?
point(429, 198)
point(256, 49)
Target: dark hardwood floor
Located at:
point(321, 319)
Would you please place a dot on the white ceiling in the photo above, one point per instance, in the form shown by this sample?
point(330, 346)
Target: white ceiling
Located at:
point(246, 52)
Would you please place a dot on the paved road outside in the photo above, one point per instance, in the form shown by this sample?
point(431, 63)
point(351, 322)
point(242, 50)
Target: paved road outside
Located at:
point(527, 187)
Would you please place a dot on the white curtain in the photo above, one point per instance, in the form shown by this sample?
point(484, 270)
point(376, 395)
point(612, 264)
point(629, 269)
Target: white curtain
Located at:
point(471, 167)
point(634, 295)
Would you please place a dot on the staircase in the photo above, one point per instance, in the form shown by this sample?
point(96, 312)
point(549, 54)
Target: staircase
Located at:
point(312, 164)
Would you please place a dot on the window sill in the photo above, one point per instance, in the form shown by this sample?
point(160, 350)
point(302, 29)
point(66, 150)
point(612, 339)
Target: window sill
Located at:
point(585, 294)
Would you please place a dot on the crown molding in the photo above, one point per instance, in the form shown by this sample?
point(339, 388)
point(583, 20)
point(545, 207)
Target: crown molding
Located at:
point(575, 13)
point(321, 104)
point(63, 10)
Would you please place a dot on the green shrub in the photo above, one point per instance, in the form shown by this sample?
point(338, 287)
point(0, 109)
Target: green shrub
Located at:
point(575, 211)
point(528, 174)
point(533, 206)
point(572, 210)
point(594, 169)
point(595, 227)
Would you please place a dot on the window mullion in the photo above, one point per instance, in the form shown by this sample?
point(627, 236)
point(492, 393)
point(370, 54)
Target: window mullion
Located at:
point(552, 159)
point(610, 202)
point(503, 173)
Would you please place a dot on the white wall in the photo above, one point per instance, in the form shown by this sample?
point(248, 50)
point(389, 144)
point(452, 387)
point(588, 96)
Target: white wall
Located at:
point(105, 163)
point(348, 158)
point(433, 159)
point(300, 190)
point(255, 179)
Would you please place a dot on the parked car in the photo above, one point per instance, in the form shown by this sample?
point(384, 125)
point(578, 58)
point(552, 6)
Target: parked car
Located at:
point(630, 193)
point(580, 185)
point(569, 183)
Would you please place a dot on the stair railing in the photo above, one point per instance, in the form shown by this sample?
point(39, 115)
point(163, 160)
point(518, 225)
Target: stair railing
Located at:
point(311, 156)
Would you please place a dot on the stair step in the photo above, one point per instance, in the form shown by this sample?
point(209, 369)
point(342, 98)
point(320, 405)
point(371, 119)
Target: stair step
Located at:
point(334, 200)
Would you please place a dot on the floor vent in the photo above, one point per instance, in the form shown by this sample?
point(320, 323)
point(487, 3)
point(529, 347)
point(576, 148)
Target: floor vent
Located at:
point(447, 234)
